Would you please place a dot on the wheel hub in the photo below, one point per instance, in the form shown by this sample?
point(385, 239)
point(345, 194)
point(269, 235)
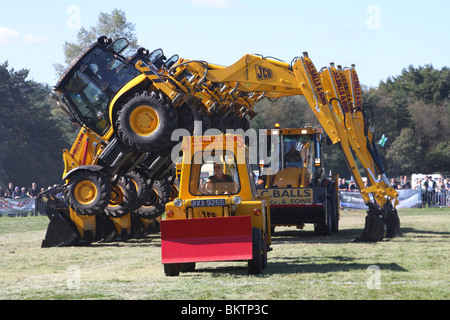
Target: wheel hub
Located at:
point(144, 120)
point(85, 192)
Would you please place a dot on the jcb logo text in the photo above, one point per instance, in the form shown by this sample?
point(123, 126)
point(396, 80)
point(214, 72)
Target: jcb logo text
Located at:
point(263, 73)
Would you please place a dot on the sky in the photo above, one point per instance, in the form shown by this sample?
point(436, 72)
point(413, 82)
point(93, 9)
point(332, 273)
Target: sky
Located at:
point(380, 37)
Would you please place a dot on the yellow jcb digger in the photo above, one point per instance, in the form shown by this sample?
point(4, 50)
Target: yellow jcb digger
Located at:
point(131, 106)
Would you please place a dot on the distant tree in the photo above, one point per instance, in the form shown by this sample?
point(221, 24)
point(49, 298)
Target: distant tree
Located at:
point(32, 142)
point(439, 158)
point(405, 155)
point(114, 25)
point(289, 112)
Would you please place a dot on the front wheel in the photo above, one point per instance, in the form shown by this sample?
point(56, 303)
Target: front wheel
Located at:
point(255, 265)
point(123, 196)
point(156, 201)
point(172, 269)
point(89, 192)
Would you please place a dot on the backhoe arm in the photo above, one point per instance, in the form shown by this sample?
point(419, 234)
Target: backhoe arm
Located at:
point(334, 96)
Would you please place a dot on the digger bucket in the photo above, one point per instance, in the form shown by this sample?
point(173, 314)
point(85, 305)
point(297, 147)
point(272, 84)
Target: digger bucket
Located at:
point(61, 231)
point(392, 221)
point(380, 223)
point(206, 239)
point(374, 229)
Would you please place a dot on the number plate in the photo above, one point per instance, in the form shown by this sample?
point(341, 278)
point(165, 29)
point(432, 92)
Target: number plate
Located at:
point(208, 203)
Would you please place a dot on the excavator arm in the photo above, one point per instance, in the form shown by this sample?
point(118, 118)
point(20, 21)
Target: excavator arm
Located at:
point(334, 95)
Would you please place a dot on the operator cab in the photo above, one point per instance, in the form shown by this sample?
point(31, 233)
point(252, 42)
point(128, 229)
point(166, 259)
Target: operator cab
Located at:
point(214, 175)
point(92, 81)
point(299, 161)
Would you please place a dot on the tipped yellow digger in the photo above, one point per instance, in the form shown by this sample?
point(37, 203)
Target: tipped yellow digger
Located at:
point(128, 108)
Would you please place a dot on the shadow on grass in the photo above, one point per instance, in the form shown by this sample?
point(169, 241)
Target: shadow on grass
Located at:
point(297, 266)
point(303, 236)
point(342, 264)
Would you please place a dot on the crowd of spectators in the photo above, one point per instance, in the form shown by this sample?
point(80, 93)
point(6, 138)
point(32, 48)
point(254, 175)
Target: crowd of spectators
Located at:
point(17, 192)
point(433, 191)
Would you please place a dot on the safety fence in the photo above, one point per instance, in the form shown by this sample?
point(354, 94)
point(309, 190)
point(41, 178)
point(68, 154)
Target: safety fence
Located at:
point(20, 207)
point(439, 199)
point(408, 198)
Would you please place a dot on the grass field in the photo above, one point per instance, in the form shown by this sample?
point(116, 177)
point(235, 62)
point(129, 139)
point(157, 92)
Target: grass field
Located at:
point(412, 265)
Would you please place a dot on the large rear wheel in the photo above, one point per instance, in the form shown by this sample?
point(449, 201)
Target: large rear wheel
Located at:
point(146, 122)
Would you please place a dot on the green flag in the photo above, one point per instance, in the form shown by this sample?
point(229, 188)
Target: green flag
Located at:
point(383, 140)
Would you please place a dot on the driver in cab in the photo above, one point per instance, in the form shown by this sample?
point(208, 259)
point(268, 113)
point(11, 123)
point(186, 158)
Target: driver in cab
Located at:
point(219, 176)
point(219, 182)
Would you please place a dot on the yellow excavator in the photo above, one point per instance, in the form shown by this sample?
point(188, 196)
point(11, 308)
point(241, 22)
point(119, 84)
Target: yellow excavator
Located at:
point(334, 95)
point(129, 107)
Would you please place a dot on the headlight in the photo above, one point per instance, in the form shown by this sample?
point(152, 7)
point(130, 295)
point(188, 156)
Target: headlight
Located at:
point(178, 202)
point(236, 200)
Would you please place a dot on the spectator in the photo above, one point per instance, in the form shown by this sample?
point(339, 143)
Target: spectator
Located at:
point(352, 186)
point(33, 191)
point(1, 193)
point(343, 185)
point(405, 183)
point(441, 185)
point(394, 184)
point(447, 183)
point(9, 191)
point(430, 188)
point(366, 183)
point(419, 183)
point(17, 193)
point(441, 192)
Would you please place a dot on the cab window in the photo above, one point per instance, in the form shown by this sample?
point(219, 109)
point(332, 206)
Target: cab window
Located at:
point(214, 175)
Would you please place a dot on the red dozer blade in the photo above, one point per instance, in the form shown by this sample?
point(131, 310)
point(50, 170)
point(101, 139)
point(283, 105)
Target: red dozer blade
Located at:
point(206, 239)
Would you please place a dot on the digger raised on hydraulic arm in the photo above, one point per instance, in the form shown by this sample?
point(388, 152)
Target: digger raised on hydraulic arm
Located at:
point(135, 109)
point(334, 95)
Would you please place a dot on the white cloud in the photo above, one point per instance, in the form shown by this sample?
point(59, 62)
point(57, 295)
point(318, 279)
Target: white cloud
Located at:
point(9, 36)
point(219, 4)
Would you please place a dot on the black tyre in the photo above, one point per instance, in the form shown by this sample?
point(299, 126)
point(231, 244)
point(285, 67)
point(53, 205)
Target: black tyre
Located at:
point(89, 192)
point(185, 118)
point(201, 115)
point(217, 121)
point(146, 122)
point(172, 269)
point(335, 209)
point(255, 265)
point(123, 196)
point(139, 180)
point(325, 228)
point(157, 198)
point(187, 267)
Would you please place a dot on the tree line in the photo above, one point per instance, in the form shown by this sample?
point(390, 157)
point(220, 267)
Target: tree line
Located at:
point(411, 109)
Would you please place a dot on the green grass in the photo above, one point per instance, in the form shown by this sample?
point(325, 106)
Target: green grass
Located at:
point(412, 265)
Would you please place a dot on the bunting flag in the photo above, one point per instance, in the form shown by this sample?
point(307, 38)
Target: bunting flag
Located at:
point(383, 140)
